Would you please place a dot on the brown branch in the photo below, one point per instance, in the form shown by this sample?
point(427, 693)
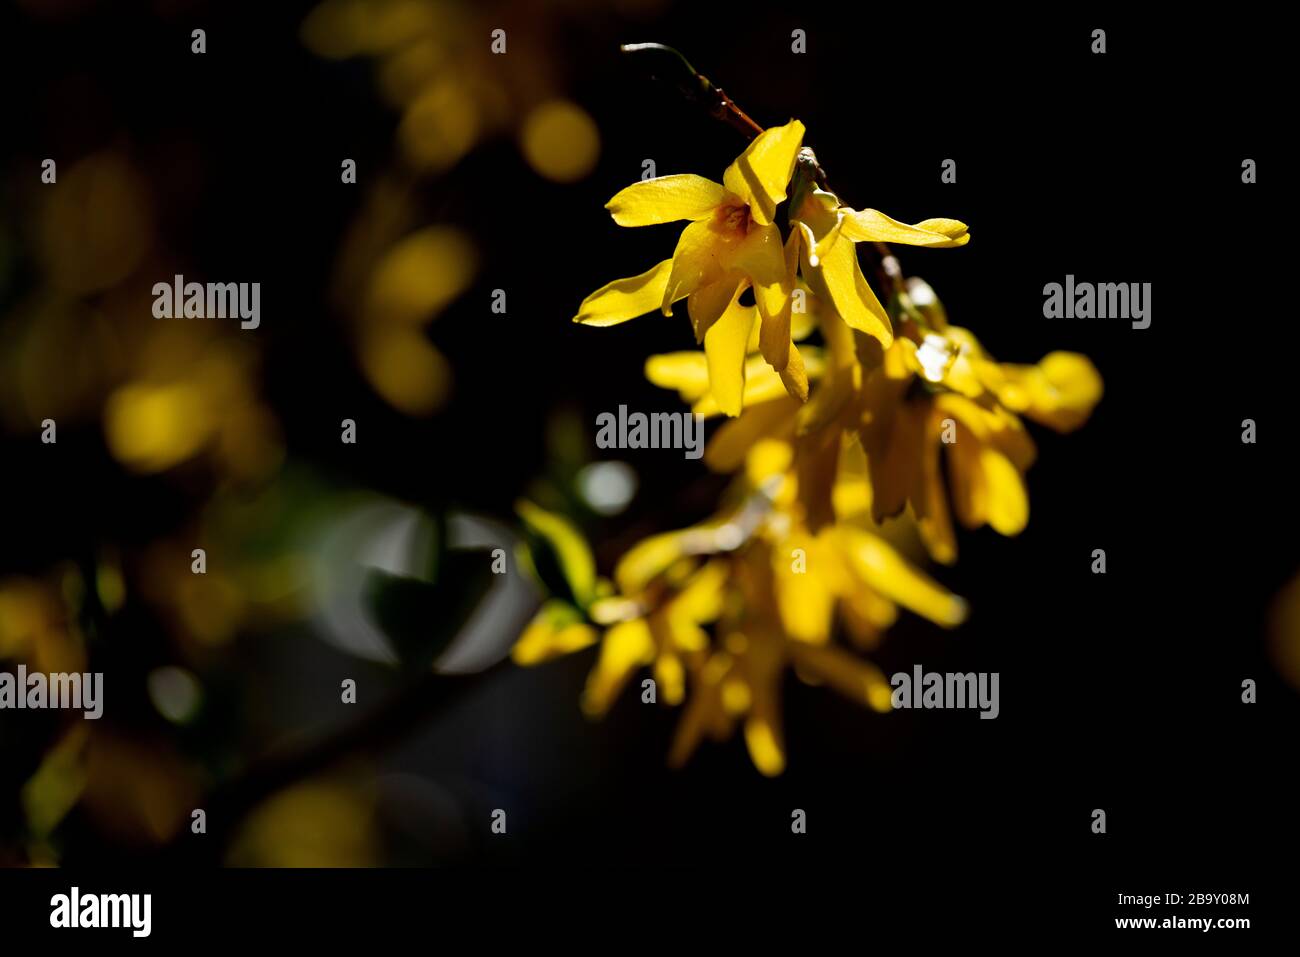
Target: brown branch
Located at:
point(669, 66)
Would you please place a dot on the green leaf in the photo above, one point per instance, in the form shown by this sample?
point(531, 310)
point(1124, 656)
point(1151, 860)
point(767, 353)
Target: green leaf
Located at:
point(565, 547)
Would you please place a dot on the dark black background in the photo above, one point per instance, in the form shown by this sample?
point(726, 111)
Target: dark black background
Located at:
point(1119, 692)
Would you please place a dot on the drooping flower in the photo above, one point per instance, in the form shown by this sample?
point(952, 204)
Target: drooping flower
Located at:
point(720, 610)
point(826, 441)
point(933, 394)
point(938, 392)
point(827, 231)
point(731, 244)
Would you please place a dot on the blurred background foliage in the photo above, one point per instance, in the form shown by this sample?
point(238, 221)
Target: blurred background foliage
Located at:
point(180, 419)
point(371, 562)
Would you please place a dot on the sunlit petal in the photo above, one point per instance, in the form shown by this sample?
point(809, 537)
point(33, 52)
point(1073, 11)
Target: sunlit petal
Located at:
point(724, 346)
point(625, 299)
point(871, 225)
point(759, 176)
point(665, 199)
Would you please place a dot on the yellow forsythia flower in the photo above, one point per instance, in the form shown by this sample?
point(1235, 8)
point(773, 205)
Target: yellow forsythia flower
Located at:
point(826, 443)
point(733, 244)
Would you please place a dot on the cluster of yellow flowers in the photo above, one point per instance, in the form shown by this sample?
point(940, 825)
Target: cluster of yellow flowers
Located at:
point(720, 610)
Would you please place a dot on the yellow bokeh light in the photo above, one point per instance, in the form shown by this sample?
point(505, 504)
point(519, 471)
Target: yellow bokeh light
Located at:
point(410, 374)
point(319, 823)
point(560, 141)
point(153, 427)
point(420, 275)
point(441, 126)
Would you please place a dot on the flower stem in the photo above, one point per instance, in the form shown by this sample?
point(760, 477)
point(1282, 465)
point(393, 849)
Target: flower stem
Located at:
point(669, 66)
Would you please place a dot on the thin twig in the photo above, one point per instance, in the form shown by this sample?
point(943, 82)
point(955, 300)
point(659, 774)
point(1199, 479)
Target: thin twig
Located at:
point(669, 66)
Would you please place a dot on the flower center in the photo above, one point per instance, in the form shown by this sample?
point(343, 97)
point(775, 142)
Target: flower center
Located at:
point(736, 218)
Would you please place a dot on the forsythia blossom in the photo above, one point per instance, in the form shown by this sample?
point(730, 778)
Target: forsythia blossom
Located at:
point(933, 389)
point(718, 611)
point(827, 443)
point(733, 244)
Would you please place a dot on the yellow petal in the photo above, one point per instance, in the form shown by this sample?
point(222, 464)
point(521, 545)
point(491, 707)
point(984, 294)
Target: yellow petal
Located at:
point(701, 599)
point(1007, 500)
point(820, 220)
point(724, 346)
point(802, 321)
point(795, 375)
point(853, 494)
point(968, 375)
point(761, 256)
point(763, 383)
point(867, 614)
point(763, 735)
point(707, 303)
point(804, 601)
point(625, 299)
point(1059, 392)
point(703, 710)
point(727, 449)
point(850, 676)
point(687, 636)
point(793, 247)
point(871, 225)
point(769, 458)
point(698, 260)
point(805, 307)
point(929, 501)
point(992, 425)
point(966, 478)
point(895, 458)
point(954, 229)
point(848, 291)
point(816, 465)
point(760, 175)
point(887, 572)
point(670, 678)
point(1076, 380)
point(838, 381)
point(554, 631)
point(627, 646)
point(647, 560)
point(665, 199)
point(687, 372)
point(774, 334)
